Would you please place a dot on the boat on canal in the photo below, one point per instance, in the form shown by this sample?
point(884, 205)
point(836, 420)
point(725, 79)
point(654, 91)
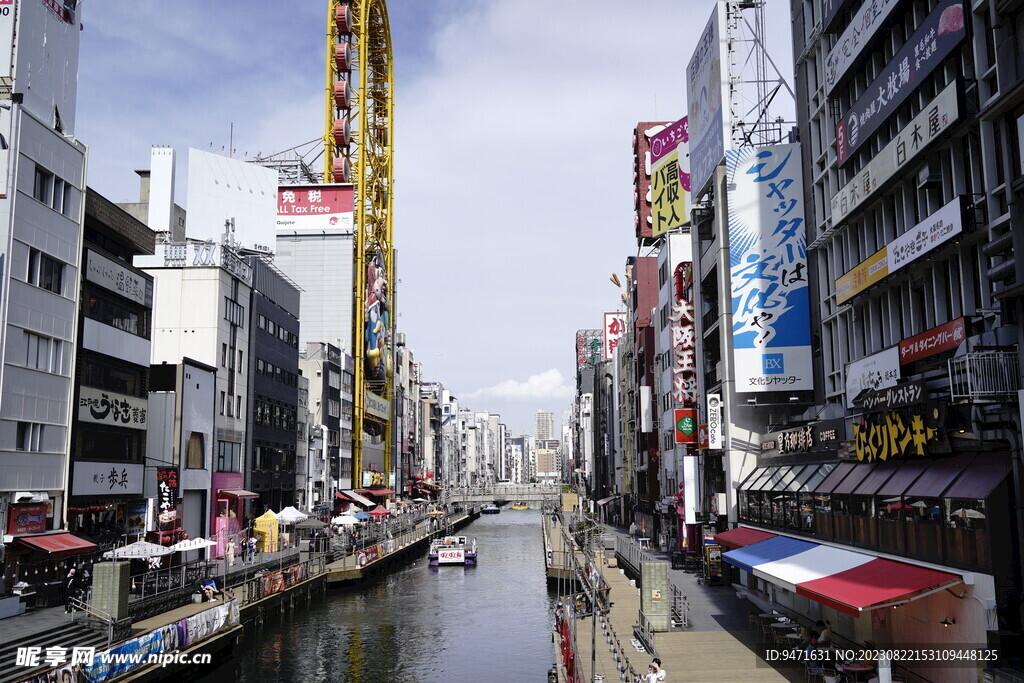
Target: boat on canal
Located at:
point(452, 550)
point(490, 509)
point(520, 506)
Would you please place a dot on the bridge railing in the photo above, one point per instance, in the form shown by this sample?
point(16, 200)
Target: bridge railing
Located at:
point(504, 492)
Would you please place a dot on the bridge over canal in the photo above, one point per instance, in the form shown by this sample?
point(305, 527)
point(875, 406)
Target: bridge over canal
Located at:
point(535, 495)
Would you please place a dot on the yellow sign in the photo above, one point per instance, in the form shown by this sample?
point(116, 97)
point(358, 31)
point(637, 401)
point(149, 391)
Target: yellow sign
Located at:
point(668, 200)
point(655, 595)
point(891, 435)
point(862, 276)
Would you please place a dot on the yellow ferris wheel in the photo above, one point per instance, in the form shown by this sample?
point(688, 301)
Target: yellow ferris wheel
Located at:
point(358, 149)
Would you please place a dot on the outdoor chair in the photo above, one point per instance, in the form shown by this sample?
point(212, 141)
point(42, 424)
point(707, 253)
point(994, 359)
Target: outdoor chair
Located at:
point(815, 670)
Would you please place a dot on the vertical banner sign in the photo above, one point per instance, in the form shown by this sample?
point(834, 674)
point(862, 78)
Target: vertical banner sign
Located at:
point(167, 494)
point(932, 42)
point(715, 421)
point(707, 85)
point(670, 178)
point(588, 348)
point(614, 328)
point(768, 270)
point(684, 365)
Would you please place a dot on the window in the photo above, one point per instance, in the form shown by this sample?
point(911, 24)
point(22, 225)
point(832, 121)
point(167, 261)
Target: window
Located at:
point(234, 312)
point(239, 362)
point(117, 313)
point(43, 353)
point(229, 454)
point(42, 188)
point(238, 406)
point(104, 374)
point(224, 355)
point(333, 408)
point(30, 436)
point(223, 403)
point(196, 450)
point(45, 271)
point(261, 322)
point(333, 379)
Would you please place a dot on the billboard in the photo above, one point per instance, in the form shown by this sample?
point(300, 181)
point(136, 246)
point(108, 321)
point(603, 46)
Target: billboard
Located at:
point(106, 478)
point(614, 328)
point(588, 348)
point(111, 409)
point(315, 208)
point(684, 341)
point(670, 178)
point(707, 88)
point(934, 120)
point(686, 425)
point(377, 318)
point(642, 135)
point(222, 189)
point(935, 38)
point(877, 371)
point(46, 68)
point(714, 425)
point(936, 340)
point(866, 273)
point(866, 22)
point(768, 270)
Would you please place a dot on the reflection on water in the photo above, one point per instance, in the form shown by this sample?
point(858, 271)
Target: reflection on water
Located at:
point(486, 623)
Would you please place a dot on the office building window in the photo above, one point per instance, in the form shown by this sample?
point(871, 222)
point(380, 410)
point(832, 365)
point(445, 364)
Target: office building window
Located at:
point(234, 312)
point(223, 403)
point(30, 437)
point(42, 188)
point(43, 353)
point(229, 454)
point(224, 355)
point(45, 271)
point(238, 406)
point(239, 362)
point(195, 459)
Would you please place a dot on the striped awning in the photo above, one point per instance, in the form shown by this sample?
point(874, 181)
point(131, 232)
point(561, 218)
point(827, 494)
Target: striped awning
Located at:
point(848, 581)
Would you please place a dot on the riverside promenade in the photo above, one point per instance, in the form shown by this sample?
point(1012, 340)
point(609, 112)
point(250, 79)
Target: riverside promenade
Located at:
point(717, 644)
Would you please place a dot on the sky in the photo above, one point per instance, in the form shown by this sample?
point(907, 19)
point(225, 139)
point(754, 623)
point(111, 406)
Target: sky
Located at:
point(513, 151)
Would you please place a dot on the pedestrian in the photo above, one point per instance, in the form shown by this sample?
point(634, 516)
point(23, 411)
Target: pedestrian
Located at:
point(252, 550)
point(632, 529)
point(654, 672)
point(71, 589)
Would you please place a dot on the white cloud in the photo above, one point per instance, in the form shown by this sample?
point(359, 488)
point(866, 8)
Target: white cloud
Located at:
point(547, 386)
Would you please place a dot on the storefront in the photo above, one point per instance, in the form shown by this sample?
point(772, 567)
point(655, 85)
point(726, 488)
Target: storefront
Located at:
point(228, 512)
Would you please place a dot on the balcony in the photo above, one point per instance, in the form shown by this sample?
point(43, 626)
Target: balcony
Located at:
point(984, 377)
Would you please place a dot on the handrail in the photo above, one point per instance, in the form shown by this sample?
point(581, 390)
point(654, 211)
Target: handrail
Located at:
point(110, 621)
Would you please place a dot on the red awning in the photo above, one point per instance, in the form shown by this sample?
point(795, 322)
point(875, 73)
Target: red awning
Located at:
point(379, 492)
point(236, 493)
point(57, 544)
point(380, 511)
point(341, 496)
point(741, 537)
point(874, 583)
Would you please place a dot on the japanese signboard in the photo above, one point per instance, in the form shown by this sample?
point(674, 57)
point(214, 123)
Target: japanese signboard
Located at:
point(588, 348)
point(937, 229)
point(702, 436)
point(378, 406)
point(859, 32)
point(106, 478)
point(27, 519)
point(819, 437)
point(167, 494)
point(118, 278)
point(936, 340)
point(115, 410)
point(829, 12)
point(862, 276)
point(136, 513)
point(898, 396)
point(684, 344)
point(686, 425)
point(223, 189)
point(614, 328)
point(315, 208)
point(707, 89)
point(768, 270)
point(670, 178)
point(642, 135)
point(938, 35)
point(892, 435)
point(715, 421)
point(934, 120)
point(878, 371)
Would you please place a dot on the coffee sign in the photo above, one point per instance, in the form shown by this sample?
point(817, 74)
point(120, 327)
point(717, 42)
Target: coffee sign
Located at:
point(820, 437)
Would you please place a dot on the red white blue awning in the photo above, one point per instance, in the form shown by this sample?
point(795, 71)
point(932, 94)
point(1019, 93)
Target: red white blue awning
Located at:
point(848, 581)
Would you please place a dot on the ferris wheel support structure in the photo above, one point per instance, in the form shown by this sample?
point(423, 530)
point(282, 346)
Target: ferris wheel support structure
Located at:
point(358, 149)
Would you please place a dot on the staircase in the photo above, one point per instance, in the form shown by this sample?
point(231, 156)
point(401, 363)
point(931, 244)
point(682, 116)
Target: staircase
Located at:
point(69, 635)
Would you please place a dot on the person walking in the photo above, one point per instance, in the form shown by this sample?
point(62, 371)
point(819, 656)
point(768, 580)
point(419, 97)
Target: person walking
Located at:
point(72, 589)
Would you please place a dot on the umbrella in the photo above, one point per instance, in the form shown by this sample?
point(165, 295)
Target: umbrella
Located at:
point(362, 515)
point(137, 550)
point(897, 506)
point(380, 511)
point(290, 516)
point(436, 512)
point(310, 524)
point(419, 500)
point(972, 514)
point(191, 544)
point(892, 500)
point(919, 504)
point(345, 520)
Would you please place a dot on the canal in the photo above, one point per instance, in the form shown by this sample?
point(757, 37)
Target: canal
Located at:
point(486, 623)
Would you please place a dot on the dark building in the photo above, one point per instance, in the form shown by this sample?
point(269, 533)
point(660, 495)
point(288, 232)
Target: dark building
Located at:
point(274, 386)
point(643, 283)
point(108, 433)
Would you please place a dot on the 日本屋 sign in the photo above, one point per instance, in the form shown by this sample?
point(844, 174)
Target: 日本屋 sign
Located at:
point(768, 270)
point(859, 32)
point(936, 340)
point(875, 372)
point(167, 494)
point(936, 118)
point(934, 40)
point(715, 421)
point(106, 478)
point(116, 410)
point(118, 278)
point(670, 178)
point(315, 207)
point(707, 87)
point(614, 328)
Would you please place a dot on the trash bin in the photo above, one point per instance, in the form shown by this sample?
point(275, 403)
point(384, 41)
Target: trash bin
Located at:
point(678, 561)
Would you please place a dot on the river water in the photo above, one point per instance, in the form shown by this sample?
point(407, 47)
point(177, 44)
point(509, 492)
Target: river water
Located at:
point(486, 623)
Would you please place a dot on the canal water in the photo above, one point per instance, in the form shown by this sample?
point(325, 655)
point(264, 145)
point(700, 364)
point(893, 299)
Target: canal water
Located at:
point(486, 623)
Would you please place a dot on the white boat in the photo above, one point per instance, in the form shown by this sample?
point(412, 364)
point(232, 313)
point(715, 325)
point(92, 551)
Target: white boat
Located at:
point(452, 550)
point(490, 509)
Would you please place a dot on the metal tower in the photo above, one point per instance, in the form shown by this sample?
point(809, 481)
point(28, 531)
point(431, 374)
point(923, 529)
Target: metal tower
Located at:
point(358, 149)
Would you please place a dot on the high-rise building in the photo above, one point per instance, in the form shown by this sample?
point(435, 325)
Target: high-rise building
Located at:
point(544, 428)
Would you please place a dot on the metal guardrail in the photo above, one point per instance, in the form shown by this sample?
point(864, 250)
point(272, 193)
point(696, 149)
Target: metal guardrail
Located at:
point(984, 376)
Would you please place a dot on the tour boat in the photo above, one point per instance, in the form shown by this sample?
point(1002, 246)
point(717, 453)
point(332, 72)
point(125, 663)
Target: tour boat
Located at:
point(452, 550)
point(490, 509)
point(520, 506)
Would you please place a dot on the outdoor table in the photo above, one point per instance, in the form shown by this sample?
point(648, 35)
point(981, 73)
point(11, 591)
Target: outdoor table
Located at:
point(793, 636)
point(856, 668)
point(788, 624)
